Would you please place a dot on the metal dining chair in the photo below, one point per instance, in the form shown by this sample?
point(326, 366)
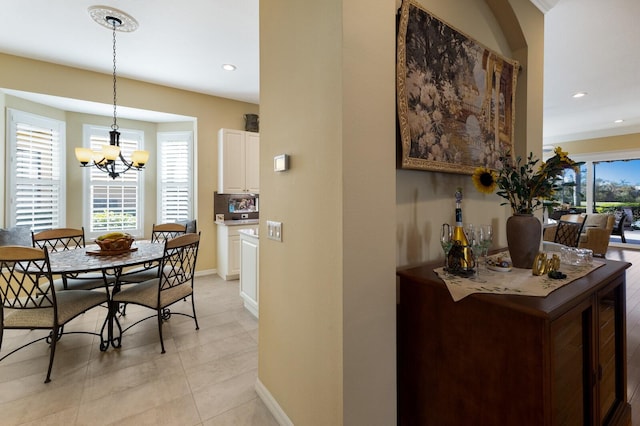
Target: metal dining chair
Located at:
point(30, 300)
point(568, 233)
point(59, 239)
point(159, 234)
point(166, 231)
point(174, 283)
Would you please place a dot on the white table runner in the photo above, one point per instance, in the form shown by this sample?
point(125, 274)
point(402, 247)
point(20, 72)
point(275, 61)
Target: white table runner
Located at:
point(516, 281)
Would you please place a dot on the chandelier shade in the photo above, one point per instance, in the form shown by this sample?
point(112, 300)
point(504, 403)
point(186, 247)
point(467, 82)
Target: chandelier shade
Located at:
point(110, 159)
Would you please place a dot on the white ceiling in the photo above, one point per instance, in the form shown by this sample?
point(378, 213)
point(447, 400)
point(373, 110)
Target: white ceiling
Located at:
point(181, 44)
point(589, 46)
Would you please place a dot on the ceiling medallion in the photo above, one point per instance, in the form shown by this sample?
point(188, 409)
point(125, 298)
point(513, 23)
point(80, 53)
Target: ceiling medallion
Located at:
point(106, 16)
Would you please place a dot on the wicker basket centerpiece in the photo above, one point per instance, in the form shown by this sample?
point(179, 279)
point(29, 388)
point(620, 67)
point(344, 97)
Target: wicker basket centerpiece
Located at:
point(115, 242)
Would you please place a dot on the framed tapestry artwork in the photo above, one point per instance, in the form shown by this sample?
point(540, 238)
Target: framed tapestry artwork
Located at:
point(456, 98)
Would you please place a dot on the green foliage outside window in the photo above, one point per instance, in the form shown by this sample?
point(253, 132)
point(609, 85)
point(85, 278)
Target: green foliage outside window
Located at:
point(109, 220)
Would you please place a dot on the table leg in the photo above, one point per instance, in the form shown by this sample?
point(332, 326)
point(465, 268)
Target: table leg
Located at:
point(115, 340)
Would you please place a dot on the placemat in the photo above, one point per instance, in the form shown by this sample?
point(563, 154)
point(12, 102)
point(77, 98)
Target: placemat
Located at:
point(517, 281)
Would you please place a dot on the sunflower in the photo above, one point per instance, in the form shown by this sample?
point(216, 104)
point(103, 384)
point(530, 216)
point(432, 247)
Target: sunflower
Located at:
point(564, 156)
point(484, 180)
point(524, 183)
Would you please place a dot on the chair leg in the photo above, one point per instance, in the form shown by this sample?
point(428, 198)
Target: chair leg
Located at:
point(195, 318)
point(123, 310)
point(58, 334)
point(54, 340)
point(160, 329)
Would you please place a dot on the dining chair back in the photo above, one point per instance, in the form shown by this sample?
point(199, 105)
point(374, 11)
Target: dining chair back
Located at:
point(165, 231)
point(568, 233)
point(61, 239)
point(160, 233)
point(173, 283)
point(29, 298)
point(619, 225)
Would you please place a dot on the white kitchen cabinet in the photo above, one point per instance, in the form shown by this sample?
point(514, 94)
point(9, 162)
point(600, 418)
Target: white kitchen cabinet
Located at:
point(238, 162)
point(229, 248)
point(249, 270)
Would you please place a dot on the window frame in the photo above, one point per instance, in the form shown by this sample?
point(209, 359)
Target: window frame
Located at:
point(89, 130)
point(590, 158)
point(164, 138)
point(13, 118)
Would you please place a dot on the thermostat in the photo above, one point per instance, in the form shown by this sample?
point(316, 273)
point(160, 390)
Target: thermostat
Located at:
point(280, 163)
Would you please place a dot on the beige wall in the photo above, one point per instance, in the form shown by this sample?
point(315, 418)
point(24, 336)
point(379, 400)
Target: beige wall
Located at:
point(301, 300)
point(327, 298)
point(425, 199)
point(210, 112)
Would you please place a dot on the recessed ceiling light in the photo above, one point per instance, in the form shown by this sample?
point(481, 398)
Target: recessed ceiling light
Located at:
point(579, 94)
point(229, 67)
point(618, 121)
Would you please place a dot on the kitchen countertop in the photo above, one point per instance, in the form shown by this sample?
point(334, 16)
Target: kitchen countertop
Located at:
point(249, 232)
point(238, 222)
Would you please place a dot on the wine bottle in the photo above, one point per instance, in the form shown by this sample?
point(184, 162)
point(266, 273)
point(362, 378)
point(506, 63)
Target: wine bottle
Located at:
point(460, 256)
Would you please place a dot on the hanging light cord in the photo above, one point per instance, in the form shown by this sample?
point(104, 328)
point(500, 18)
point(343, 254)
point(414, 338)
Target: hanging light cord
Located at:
point(111, 153)
point(114, 126)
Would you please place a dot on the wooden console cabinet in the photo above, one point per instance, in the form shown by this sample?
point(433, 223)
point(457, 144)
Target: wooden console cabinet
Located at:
point(513, 360)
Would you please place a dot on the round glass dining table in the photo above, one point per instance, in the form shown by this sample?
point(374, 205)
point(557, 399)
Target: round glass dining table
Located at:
point(90, 259)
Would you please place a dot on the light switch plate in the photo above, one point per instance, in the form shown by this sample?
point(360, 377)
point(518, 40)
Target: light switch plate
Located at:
point(281, 163)
point(274, 230)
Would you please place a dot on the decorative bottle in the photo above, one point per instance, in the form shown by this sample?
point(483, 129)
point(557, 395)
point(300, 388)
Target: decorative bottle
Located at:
point(460, 258)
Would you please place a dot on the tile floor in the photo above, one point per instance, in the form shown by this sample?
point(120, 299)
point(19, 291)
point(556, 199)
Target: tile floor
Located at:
point(206, 377)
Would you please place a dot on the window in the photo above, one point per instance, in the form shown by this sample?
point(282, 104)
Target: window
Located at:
point(175, 177)
point(36, 165)
point(608, 181)
point(616, 182)
point(573, 188)
point(113, 204)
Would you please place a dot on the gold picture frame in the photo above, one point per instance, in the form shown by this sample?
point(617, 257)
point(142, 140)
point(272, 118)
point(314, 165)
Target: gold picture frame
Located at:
point(456, 97)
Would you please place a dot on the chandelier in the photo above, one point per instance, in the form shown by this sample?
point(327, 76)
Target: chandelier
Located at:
point(110, 159)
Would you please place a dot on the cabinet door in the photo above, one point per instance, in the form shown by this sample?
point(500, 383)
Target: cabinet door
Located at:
point(572, 367)
point(249, 271)
point(234, 255)
point(611, 361)
point(249, 274)
point(252, 163)
point(231, 161)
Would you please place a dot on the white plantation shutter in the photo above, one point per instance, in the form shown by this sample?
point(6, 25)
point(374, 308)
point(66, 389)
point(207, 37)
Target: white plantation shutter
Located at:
point(36, 164)
point(175, 159)
point(114, 204)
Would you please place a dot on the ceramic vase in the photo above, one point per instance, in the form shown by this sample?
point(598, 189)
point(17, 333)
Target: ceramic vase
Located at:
point(523, 239)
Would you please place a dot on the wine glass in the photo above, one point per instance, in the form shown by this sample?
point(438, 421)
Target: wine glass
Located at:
point(475, 238)
point(446, 242)
point(468, 231)
point(487, 238)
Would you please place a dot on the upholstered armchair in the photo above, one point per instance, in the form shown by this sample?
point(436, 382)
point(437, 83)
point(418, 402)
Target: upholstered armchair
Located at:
point(595, 233)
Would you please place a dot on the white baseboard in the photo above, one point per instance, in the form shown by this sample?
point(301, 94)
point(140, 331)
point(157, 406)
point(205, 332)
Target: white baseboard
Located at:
point(205, 272)
point(272, 404)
